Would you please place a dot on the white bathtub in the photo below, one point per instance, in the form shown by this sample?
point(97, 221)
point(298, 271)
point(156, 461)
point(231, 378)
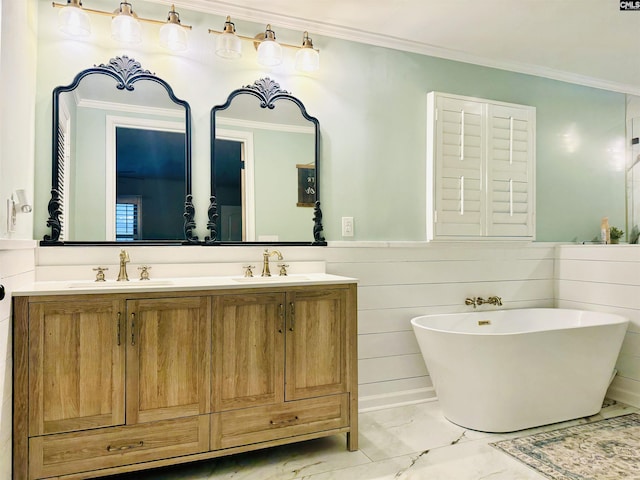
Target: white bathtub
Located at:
point(507, 370)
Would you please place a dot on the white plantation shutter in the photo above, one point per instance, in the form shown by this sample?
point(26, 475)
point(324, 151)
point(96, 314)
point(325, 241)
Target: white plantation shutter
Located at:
point(460, 136)
point(510, 197)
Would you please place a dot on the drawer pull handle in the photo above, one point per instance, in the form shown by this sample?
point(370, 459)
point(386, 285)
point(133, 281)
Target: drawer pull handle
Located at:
point(133, 329)
point(111, 448)
point(119, 315)
point(292, 320)
point(284, 422)
point(282, 317)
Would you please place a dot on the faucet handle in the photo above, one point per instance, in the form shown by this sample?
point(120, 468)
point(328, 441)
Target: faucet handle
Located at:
point(248, 272)
point(470, 301)
point(283, 269)
point(100, 274)
point(144, 272)
point(495, 300)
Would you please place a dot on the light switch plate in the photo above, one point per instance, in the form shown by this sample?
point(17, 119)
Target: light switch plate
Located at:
point(347, 226)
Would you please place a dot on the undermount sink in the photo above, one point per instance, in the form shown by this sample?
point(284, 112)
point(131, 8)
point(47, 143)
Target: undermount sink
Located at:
point(112, 284)
point(274, 279)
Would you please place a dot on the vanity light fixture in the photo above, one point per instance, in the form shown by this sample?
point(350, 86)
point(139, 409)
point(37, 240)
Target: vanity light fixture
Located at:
point(73, 19)
point(172, 35)
point(307, 58)
point(228, 46)
point(269, 51)
point(125, 26)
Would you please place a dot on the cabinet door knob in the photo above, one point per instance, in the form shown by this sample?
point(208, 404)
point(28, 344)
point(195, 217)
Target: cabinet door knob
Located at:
point(1, 292)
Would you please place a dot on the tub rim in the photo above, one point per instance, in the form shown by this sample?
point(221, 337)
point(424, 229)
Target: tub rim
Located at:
point(616, 319)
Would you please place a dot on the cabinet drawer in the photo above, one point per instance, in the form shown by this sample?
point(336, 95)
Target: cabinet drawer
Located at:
point(261, 424)
point(109, 447)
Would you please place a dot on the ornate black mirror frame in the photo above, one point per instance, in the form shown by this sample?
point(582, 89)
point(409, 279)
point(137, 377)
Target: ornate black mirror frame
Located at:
point(267, 91)
point(126, 72)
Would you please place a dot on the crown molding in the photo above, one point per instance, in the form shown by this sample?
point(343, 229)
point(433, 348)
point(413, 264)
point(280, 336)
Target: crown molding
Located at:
point(223, 9)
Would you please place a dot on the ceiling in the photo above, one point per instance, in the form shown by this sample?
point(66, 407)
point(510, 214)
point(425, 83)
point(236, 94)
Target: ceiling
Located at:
point(590, 42)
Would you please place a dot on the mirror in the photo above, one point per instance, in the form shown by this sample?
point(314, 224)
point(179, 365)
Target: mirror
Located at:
point(121, 159)
point(264, 169)
point(633, 184)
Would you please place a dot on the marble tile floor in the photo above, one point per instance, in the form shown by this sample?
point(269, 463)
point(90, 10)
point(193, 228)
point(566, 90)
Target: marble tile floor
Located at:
point(412, 442)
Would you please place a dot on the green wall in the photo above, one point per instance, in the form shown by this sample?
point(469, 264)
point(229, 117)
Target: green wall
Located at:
point(371, 104)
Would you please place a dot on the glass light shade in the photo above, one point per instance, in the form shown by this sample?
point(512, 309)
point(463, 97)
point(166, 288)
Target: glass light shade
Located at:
point(173, 37)
point(74, 21)
point(269, 53)
point(126, 29)
point(228, 45)
point(307, 60)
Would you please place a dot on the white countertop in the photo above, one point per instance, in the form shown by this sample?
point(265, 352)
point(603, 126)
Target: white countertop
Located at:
point(73, 287)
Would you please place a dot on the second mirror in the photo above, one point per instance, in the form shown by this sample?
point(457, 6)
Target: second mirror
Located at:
point(264, 164)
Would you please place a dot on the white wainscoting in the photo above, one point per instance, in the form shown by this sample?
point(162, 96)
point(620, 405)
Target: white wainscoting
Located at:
point(397, 283)
point(606, 278)
point(16, 269)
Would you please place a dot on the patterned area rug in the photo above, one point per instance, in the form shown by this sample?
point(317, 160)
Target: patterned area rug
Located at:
point(604, 450)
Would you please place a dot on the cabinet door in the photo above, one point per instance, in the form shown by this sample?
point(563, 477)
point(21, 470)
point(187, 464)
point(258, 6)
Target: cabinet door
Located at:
point(459, 164)
point(168, 358)
point(248, 349)
point(76, 365)
point(315, 343)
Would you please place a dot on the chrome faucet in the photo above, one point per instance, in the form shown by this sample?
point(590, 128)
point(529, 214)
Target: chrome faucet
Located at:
point(265, 261)
point(124, 259)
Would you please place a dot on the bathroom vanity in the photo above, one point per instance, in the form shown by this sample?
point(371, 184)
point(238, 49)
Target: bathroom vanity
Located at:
point(111, 379)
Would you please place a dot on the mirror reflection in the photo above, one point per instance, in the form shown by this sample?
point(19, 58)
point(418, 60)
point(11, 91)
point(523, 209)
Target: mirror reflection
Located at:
point(121, 159)
point(264, 168)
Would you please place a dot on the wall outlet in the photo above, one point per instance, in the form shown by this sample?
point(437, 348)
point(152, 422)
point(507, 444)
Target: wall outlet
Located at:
point(347, 226)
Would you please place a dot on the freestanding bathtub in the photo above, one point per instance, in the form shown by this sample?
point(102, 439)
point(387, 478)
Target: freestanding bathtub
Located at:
point(506, 370)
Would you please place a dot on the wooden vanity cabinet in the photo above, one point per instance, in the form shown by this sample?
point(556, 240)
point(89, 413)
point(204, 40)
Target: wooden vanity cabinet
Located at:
point(112, 383)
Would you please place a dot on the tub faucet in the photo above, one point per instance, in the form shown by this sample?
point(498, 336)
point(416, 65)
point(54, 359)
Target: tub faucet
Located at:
point(491, 301)
point(124, 259)
point(265, 261)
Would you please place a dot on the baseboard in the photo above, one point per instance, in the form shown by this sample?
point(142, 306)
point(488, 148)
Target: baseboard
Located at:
point(625, 390)
point(396, 399)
